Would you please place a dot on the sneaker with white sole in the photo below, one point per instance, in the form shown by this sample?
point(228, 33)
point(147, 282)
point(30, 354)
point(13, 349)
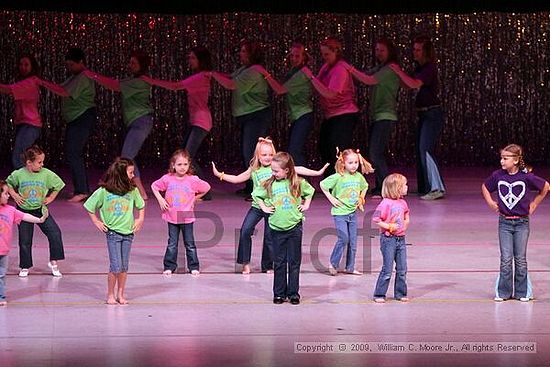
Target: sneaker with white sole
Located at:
point(195, 272)
point(23, 273)
point(54, 269)
point(498, 299)
point(525, 299)
point(433, 195)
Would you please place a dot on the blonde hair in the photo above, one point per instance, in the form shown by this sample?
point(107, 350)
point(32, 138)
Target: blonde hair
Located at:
point(255, 161)
point(286, 162)
point(517, 152)
point(392, 187)
point(339, 167)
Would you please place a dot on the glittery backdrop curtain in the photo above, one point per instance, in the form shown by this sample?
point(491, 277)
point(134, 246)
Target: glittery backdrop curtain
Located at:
point(494, 69)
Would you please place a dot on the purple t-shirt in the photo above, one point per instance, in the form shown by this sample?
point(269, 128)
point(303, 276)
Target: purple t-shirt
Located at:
point(427, 94)
point(514, 191)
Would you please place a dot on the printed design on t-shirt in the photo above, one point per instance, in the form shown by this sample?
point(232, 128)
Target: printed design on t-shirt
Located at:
point(118, 207)
point(350, 193)
point(283, 200)
point(509, 194)
point(4, 223)
point(32, 192)
point(178, 195)
point(396, 216)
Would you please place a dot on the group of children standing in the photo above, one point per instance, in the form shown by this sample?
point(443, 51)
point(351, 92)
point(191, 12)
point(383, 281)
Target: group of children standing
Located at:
point(280, 197)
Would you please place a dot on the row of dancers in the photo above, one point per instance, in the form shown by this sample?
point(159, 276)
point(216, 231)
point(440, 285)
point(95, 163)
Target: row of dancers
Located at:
point(280, 197)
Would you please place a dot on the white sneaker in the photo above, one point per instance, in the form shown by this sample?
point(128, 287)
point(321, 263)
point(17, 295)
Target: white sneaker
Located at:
point(525, 299)
point(195, 272)
point(23, 273)
point(167, 272)
point(498, 299)
point(54, 269)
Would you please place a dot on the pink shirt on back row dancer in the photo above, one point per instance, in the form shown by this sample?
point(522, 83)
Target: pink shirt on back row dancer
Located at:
point(26, 95)
point(180, 194)
point(198, 89)
point(338, 79)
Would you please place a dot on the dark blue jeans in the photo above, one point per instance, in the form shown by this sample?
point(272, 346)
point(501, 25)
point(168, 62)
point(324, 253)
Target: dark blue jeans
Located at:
point(137, 132)
point(253, 126)
point(171, 254)
point(379, 136)
point(76, 136)
point(288, 254)
point(299, 132)
point(430, 125)
point(393, 248)
point(335, 132)
point(51, 231)
point(253, 216)
point(513, 235)
point(25, 136)
point(192, 142)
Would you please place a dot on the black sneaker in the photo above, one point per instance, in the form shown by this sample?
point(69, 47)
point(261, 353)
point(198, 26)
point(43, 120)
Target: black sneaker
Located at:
point(278, 300)
point(295, 300)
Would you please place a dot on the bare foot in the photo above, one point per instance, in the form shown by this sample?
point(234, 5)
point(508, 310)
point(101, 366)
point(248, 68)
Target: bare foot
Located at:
point(111, 301)
point(77, 198)
point(246, 269)
point(3, 303)
point(122, 301)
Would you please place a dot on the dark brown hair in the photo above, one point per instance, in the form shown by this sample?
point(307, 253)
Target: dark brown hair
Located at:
point(428, 50)
point(31, 153)
point(255, 52)
point(144, 61)
point(393, 53)
point(116, 179)
point(35, 68)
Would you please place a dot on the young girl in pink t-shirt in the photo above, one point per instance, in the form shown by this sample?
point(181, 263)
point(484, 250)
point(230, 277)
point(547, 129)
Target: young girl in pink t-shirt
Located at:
point(8, 217)
point(392, 216)
point(181, 189)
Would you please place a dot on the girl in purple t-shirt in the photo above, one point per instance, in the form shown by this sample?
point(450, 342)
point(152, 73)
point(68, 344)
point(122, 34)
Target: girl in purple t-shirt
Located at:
point(181, 189)
point(513, 183)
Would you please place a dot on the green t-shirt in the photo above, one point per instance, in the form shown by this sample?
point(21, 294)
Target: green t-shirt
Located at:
point(346, 188)
point(250, 94)
point(286, 215)
point(136, 95)
point(299, 94)
point(34, 186)
point(81, 97)
point(384, 94)
point(116, 212)
point(258, 177)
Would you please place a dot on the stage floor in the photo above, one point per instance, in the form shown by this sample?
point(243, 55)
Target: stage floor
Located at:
point(222, 317)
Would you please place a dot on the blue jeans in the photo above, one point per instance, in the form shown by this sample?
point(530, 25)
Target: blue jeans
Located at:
point(299, 131)
point(25, 136)
point(253, 216)
point(288, 253)
point(393, 248)
point(137, 132)
point(430, 125)
point(253, 126)
point(3, 270)
point(119, 246)
point(379, 137)
point(76, 136)
point(51, 231)
point(335, 132)
point(171, 254)
point(346, 228)
point(513, 235)
point(192, 142)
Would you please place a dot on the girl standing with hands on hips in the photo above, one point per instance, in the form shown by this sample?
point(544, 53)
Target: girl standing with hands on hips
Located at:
point(346, 190)
point(33, 188)
point(285, 196)
point(116, 199)
point(392, 217)
point(514, 183)
point(181, 189)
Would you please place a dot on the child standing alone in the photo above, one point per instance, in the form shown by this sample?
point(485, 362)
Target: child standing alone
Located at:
point(116, 199)
point(392, 216)
point(181, 189)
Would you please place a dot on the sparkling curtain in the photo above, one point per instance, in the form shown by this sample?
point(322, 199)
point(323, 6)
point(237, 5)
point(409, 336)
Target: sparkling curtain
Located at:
point(494, 71)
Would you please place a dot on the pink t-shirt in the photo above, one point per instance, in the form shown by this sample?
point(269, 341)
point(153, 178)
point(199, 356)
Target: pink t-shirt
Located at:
point(198, 88)
point(338, 79)
point(180, 195)
point(392, 211)
point(8, 217)
point(26, 95)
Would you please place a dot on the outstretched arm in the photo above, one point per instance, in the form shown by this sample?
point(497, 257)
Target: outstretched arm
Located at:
point(362, 77)
point(5, 89)
point(224, 80)
point(303, 171)
point(319, 87)
point(240, 178)
point(103, 80)
point(166, 84)
point(406, 80)
point(56, 88)
point(274, 84)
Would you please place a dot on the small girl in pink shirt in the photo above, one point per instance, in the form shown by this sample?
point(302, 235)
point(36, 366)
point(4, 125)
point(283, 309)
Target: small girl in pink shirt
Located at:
point(8, 217)
point(392, 216)
point(181, 189)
